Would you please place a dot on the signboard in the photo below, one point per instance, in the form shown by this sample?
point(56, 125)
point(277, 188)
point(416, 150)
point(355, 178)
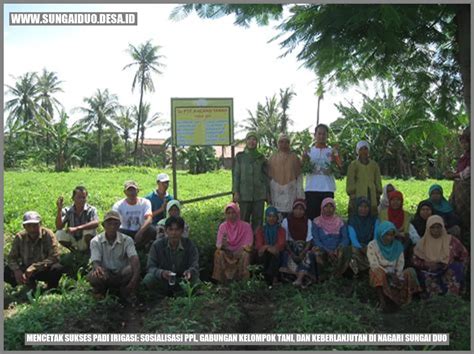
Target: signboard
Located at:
point(202, 121)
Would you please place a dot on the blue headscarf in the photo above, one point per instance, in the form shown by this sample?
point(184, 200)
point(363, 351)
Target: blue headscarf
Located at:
point(363, 225)
point(392, 251)
point(443, 206)
point(270, 231)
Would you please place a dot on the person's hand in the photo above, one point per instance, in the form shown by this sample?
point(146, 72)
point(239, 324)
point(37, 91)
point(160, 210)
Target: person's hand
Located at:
point(187, 275)
point(72, 229)
point(396, 281)
point(335, 149)
point(166, 274)
point(236, 197)
point(272, 249)
point(19, 277)
point(164, 204)
point(333, 255)
point(99, 272)
point(60, 202)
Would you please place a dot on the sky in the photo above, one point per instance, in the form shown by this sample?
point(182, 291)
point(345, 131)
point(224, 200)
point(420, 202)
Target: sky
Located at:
point(203, 58)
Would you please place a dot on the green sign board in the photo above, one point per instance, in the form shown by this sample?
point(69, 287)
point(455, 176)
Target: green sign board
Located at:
point(202, 121)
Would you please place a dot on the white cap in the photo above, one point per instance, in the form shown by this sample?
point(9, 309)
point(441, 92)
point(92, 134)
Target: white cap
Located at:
point(162, 177)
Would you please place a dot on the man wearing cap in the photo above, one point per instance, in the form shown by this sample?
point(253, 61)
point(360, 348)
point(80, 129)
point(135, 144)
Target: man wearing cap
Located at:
point(81, 220)
point(136, 216)
point(34, 255)
point(159, 198)
point(115, 260)
point(251, 184)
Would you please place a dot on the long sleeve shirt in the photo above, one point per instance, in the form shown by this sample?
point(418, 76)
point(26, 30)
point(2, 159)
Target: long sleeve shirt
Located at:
point(330, 242)
point(163, 258)
point(280, 241)
point(378, 261)
point(34, 255)
point(251, 178)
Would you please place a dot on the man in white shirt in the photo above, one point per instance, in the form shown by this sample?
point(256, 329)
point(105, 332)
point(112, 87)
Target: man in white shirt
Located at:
point(136, 216)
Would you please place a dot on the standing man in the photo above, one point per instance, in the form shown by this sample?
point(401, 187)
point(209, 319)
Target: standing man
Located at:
point(159, 198)
point(115, 260)
point(251, 185)
point(34, 255)
point(135, 213)
point(80, 221)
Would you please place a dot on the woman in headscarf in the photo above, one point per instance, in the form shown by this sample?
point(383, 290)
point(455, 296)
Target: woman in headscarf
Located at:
point(286, 183)
point(234, 245)
point(361, 231)
point(251, 185)
point(363, 179)
point(384, 201)
point(331, 241)
point(442, 208)
point(440, 259)
point(460, 197)
point(298, 261)
point(423, 212)
point(386, 274)
point(173, 208)
point(270, 242)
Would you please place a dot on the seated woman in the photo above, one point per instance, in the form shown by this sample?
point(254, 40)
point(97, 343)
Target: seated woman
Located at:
point(384, 200)
point(442, 208)
point(407, 234)
point(361, 231)
point(270, 242)
point(423, 212)
point(234, 244)
point(297, 261)
point(440, 259)
point(331, 241)
point(386, 274)
point(173, 208)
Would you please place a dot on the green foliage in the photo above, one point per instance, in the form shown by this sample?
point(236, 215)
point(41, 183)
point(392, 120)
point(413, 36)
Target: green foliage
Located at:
point(199, 159)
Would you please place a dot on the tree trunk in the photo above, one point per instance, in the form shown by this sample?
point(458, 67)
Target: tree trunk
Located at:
point(135, 152)
point(99, 142)
point(463, 39)
point(317, 114)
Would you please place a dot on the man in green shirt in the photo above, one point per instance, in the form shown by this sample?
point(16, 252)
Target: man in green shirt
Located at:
point(251, 183)
point(171, 259)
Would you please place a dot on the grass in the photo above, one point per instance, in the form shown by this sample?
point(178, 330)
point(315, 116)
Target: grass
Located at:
point(342, 305)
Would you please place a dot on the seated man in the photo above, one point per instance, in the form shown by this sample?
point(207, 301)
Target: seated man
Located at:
point(159, 198)
point(115, 260)
point(171, 259)
point(136, 216)
point(34, 255)
point(81, 220)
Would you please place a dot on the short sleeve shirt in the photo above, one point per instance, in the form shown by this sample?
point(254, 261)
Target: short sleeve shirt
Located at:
point(156, 203)
point(113, 256)
point(70, 217)
point(133, 215)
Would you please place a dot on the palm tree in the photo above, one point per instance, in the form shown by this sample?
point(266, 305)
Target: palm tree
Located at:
point(22, 106)
point(146, 58)
point(147, 121)
point(126, 124)
point(100, 111)
point(320, 94)
point(286, 96)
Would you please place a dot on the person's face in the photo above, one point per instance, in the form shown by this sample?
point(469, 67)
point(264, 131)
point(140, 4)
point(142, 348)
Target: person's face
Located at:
point(321, 135)
point(395, 203)
point(131, 193)
point(163, 186)
point(32, 229)
point(436, 230)
point(390, 188)
point(329, 209)
point(363, 209)
point(174, 211)
point(388, 238)
point(174, 233)
point(284, 145)
point(298, 211)
point(230, 215)
point(425, 212)
point(80, 198)
point(272, 219)
point(363, 153)
point(251, 143)
point(111, 226)
point(436, 195)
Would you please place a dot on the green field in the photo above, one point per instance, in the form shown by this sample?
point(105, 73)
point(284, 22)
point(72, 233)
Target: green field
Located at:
point(343, 305)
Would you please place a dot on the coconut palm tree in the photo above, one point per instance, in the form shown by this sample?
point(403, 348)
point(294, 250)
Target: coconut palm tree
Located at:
point(126, 124)
point(146, 59)
point(286, 96)
point(100, 112)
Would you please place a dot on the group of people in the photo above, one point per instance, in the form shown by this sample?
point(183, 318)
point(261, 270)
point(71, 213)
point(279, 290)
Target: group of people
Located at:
point(298, 238)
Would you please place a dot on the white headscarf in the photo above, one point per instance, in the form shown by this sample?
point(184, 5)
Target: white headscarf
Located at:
point(360, 145)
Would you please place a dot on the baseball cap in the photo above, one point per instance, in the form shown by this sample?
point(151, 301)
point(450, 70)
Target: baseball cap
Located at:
point(130, 184)
point(112, 215)
point(31, 217)
point(162, 177)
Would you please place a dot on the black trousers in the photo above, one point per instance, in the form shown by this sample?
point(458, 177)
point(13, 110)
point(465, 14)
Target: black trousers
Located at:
point(313, 203)
point(49, 276)
point(148, 237)
point(271, 266)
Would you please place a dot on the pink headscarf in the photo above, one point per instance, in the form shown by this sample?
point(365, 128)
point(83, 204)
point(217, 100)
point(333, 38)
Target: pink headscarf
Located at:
point(239, 233)
point(330, 224)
